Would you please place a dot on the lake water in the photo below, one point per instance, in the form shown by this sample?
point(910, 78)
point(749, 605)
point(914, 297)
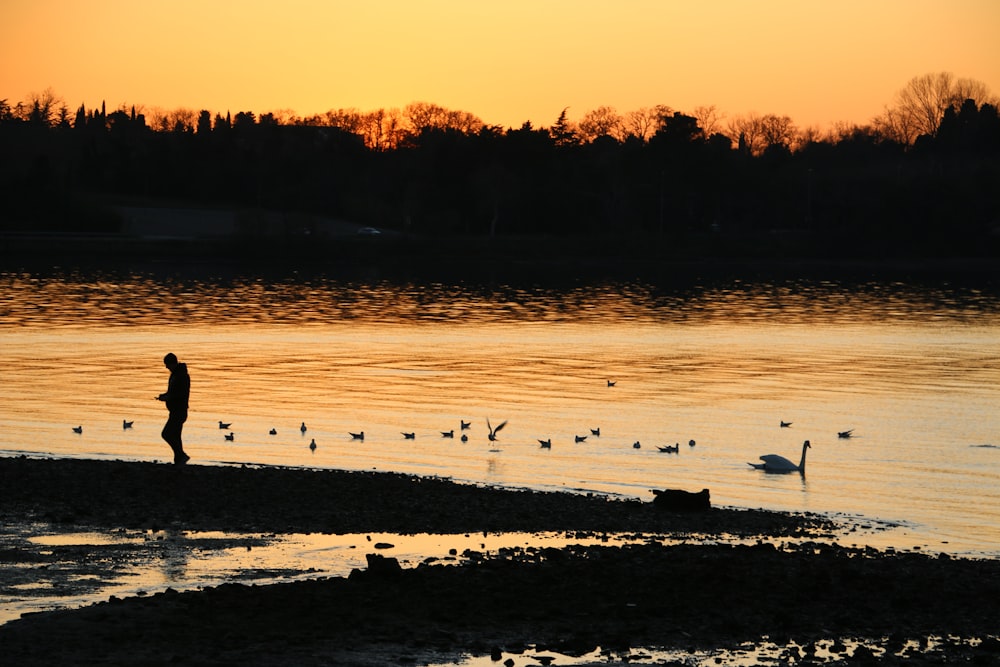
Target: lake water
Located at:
point(911, 367)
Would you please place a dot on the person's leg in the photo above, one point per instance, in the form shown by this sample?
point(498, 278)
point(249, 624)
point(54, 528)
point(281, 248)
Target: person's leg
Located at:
point(172, 434)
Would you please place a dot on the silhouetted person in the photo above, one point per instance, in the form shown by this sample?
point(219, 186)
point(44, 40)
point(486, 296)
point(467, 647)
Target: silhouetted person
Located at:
point(176, 398)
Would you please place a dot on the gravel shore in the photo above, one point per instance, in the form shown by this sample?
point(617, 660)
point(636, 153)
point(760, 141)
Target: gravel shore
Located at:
point(891, 608)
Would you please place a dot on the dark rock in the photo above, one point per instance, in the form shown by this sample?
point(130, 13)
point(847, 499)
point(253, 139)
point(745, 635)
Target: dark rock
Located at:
point(677, 500)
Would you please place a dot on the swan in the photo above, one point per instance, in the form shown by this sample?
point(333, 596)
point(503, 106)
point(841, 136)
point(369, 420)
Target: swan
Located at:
point(776, 463)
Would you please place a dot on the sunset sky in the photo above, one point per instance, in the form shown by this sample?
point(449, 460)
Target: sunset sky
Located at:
point(506, 61)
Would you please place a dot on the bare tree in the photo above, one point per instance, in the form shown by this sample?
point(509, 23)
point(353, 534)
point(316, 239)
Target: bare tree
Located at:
point(601, 122)
point(920, 105)
point(642, 123)
point(43, 107)
point(709, 119)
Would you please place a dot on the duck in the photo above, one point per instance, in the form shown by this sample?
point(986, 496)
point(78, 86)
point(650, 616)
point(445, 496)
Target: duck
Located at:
point(230, 437)
point(126, 424)
point(303, 427)
point(493, 431)
point(409, 436)
point(358, 436)
point(612, 383)
point(465, 438)
point(273, 431)
point(785, 424)
point(670, 449)
point(448, 434)
point(312, 444)
point(464, 424)
point(596, 431)
point(579, 438)
point(546, 444)
point(78, 429)
point(223, 425)
point(846, 434)
point(691, 443)
point(776, 463)
point(636, 445)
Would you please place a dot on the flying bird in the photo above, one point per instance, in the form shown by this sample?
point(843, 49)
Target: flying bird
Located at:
point(776, 463)
point(493, 431)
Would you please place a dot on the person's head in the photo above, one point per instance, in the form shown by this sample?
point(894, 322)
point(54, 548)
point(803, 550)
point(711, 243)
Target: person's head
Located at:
point(170, 360)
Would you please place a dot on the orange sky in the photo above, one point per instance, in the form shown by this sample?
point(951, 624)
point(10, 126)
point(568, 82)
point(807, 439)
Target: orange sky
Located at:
point(506, 61)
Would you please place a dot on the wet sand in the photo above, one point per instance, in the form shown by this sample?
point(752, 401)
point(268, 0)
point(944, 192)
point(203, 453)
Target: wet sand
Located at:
point(696, 595)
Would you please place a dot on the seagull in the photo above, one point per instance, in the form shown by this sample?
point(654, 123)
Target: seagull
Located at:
point(224, 426)
point(493, 431)
point(464, 424)
point(273, 431)
point(785, 424)
point(230, 437)
point(546, 444)
point(303, 427)
point(580, 438)
point(358, 436)
point(845, 434)
point(448, 434)
point(409, 436)
point(776, 463)
point(78, 429)
point(676, 448)
point(312, 445)
point(596, 431)
point(126, 424)
point(612, 383)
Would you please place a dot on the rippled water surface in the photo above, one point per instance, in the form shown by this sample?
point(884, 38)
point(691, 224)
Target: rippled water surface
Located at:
point(912, 369)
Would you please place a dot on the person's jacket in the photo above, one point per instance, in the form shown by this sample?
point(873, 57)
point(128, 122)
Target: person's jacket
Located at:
point(178, 389)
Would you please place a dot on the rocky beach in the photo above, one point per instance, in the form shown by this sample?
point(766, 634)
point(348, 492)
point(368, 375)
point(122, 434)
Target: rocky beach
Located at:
point(739, 577)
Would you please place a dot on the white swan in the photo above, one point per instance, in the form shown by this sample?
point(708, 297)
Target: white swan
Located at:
point(776, 463)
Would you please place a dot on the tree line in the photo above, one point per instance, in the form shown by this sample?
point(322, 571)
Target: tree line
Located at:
point(923, 172)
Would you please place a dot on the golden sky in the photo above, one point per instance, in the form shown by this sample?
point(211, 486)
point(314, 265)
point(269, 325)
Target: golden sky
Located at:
point(506, 61)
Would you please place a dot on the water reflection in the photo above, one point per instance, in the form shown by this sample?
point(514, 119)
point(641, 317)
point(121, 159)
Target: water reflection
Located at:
point(136, 299)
